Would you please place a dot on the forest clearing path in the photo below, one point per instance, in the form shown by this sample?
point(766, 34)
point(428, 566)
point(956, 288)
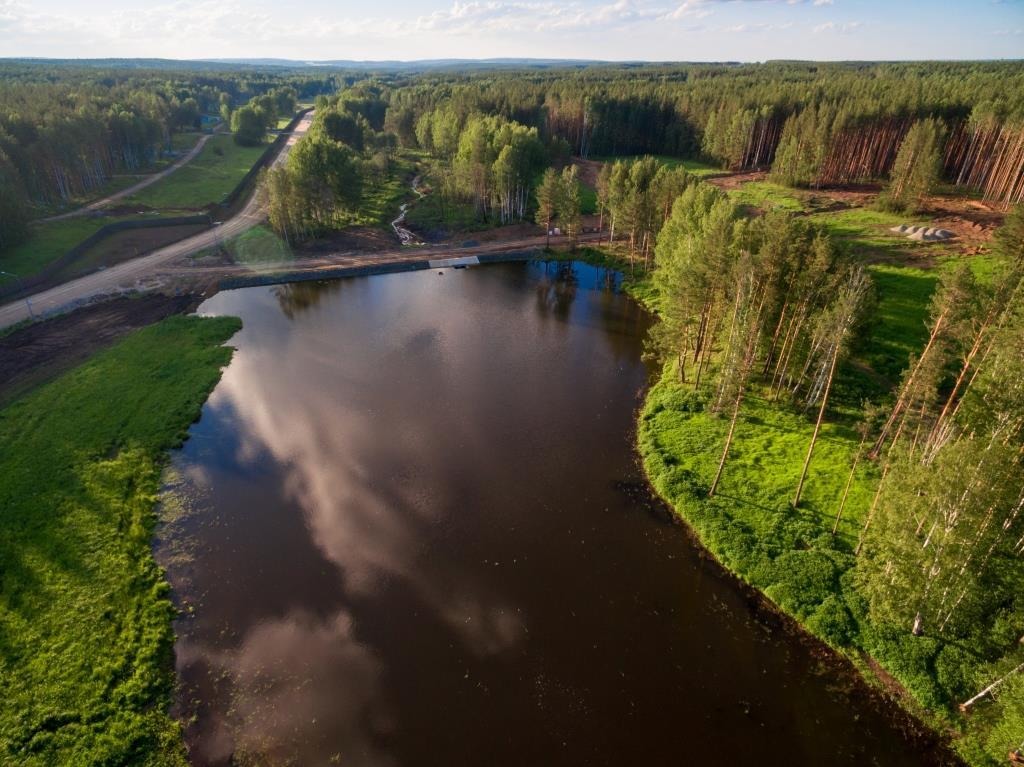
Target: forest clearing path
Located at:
point(133, 274)
point(135, 188)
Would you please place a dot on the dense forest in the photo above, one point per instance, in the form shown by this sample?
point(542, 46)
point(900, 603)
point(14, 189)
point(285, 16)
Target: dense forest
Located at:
point(811, 124)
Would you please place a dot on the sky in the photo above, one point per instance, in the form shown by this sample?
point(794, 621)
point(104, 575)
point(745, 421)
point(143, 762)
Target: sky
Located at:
point(649, 30)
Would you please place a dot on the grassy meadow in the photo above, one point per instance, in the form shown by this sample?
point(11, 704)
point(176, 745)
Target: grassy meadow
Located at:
point(206, 180)
point(85, 616)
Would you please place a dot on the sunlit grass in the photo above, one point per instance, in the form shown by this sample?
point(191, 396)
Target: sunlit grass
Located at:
point(766, 195)
point(206, 180)
point(257, 246)
point(694, 167)
point(85, 619)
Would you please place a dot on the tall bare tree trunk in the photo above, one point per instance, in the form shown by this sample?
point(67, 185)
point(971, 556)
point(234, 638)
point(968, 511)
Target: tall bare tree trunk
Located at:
point(901, 402)
point(849, 484)
point(871, 512)
point(817, 424)
point(728, 441)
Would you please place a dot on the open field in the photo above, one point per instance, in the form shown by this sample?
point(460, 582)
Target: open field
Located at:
point(32, 355)
point(180, 143)
point(695, 167)
point(49, 242)
point(203, 182)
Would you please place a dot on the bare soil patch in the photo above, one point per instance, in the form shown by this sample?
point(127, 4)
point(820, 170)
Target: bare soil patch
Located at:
point(39, 352)
point(588, 171)
point(972, 221)
point(728, 181)
point(362, 238)
point(120, 247)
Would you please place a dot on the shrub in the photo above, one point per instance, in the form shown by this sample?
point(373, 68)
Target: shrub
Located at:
point(803, 580)
point(832, 622)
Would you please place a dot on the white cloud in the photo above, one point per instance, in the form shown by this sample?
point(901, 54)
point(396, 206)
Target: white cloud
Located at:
point(695, 9)
point(844, 28)
point(312, 30)
point(532, 17)
point(764, 27)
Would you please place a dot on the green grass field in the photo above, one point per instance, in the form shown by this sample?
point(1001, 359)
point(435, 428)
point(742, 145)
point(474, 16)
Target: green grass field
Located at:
point(85, 618)
point(588, 200)
point(257, 246)
point(381, 198)
point(183, 142)
point(204, 181)
point(765, 195)
point(428, 215)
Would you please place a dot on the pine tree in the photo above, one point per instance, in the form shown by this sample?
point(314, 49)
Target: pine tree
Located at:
point(917, 167)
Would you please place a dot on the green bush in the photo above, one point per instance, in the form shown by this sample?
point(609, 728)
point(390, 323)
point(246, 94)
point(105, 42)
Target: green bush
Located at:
point(803, 580)
point(832, 622)
point(954, 671)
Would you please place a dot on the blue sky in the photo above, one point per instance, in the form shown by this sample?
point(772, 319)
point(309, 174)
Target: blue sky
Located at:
point(689, 30)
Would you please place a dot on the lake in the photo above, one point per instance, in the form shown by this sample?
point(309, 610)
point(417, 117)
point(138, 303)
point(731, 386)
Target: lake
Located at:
point(411, 529)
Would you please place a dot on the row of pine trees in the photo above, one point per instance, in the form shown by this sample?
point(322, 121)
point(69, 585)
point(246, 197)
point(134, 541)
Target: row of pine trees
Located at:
point(810, 124)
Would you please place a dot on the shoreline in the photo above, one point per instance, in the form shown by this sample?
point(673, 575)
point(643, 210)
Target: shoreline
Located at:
point(859, 666)
point(907, 716)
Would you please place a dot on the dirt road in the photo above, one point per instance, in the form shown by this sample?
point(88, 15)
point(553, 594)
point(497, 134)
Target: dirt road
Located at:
point(329, 264)
point(135, 273)
point(148, 181)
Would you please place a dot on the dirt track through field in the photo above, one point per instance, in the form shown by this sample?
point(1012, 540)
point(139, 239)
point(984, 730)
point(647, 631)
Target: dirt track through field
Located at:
point(146, 182)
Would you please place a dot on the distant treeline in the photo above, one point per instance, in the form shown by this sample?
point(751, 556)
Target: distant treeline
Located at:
point(811, 124)
point(64, 131)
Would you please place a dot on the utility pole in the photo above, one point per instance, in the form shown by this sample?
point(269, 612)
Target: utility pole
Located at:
point(28, 303)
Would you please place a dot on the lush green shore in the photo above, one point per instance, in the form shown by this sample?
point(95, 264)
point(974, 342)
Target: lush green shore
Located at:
point(790, 555)
point(85, 617)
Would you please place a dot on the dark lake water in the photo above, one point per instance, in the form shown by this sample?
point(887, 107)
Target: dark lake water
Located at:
point(414, 532)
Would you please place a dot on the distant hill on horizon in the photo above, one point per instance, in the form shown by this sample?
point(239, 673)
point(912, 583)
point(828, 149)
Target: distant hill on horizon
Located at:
point(351, 64)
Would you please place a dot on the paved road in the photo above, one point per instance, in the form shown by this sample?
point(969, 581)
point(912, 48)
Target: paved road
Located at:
point(148, 181)
point(130, 273)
